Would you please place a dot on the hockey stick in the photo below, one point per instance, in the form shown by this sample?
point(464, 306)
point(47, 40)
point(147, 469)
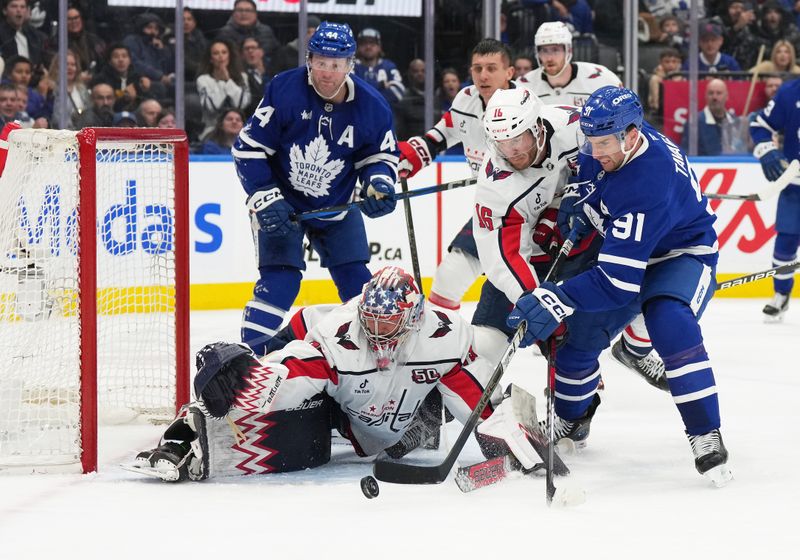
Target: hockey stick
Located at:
point(412, 238)
point(405, 473)
point(550, 487)
point(333, 210)
point(758, 276)
point(772, 189)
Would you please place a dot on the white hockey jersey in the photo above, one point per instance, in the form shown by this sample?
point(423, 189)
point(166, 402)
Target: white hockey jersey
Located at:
point(508, 204)
point(587, 77)
point(334, 358)
point(463, 124)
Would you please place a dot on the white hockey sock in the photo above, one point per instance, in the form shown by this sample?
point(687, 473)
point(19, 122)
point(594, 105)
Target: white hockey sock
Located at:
point(636, 338)
point(454, 275)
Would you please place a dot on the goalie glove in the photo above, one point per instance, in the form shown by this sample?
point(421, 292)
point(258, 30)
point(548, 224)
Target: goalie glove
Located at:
point(271, 213)
point(414, 155)
point(773, 164)
point(223, 371)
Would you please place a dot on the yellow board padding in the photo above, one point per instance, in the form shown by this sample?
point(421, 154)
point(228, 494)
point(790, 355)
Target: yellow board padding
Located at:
point(236, 295)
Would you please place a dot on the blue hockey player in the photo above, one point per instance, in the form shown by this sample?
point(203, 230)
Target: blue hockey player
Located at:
point(317, 133)
point(658, 257)
point(781, 115)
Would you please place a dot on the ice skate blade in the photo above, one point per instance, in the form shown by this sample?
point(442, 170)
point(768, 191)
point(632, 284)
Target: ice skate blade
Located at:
point(167, 475)
point(770, 319)
point(719, 476)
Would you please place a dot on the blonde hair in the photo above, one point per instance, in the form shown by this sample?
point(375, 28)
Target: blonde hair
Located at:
point(792, 55)
point(53, 70)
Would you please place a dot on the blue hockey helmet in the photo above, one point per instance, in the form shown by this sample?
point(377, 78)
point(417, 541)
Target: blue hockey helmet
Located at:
point(611, 110)
point(333, 39)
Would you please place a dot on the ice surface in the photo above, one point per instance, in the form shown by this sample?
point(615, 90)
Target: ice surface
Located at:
point(643, 497)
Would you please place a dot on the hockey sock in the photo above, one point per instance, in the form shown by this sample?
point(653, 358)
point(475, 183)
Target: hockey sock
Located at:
point(785, 252)
point(577, 376)
point(636, 338)
point(350, 279)
point(677, 338)
point(454, 275)
point(273, 295)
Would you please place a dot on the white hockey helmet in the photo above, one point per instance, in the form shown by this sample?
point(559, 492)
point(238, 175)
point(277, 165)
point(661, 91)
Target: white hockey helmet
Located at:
point(554, 33)
point(509, 113)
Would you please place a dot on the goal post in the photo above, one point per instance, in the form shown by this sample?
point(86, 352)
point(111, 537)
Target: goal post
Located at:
point(94, 321)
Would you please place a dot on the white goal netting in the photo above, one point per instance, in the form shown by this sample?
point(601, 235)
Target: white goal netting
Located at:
point(41, 304)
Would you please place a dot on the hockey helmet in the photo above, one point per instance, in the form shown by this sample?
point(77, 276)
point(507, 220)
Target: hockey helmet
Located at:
point(333, 39)
point(610, 111)
point(509, 113)
point(390, 308)
point(554, 33)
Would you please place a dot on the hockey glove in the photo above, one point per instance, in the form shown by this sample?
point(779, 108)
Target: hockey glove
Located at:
point(544, 309)
point(378, 198)
point(222, 372)
point(271, 213)
point(572, 217)
point(546, 233)
point(414, 155)
point(773, 164)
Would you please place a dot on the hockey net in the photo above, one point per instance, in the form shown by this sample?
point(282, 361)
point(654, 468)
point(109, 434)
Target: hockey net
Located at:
point(93, 320)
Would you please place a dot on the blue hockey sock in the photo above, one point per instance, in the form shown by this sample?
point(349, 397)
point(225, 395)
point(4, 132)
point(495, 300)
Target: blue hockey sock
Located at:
point(784, 252)
point(350, 278)
point(677, 338)
point(273, 295)
point(577, 376)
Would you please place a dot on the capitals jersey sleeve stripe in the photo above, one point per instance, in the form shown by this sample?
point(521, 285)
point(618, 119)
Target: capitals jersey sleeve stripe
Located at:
point(312, 368)
point(461, 393)
point(298, 324)
point(509, 239)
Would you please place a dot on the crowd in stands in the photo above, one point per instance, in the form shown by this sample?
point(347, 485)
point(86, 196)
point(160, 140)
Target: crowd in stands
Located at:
point(130, 80)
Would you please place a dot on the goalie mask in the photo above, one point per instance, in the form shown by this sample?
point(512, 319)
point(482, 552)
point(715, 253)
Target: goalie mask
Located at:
point(389, 310)
point(513, 126)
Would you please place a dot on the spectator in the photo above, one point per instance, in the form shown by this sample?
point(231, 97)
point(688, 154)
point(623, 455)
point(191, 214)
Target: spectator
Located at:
point(25, 120)
point(577, 13)
point(718, 131)
point(669, 62)
point(17, 37)
point(254, 67)
point(450, 86)
point(711, 59)
point(379, 72)
point(285, 58)
point(19, 72)
point(775, 24)
point(782, 59)
point(124, 119)
point(150, 56)
point(244, 23)
point(222, 137)
point(222, 84)
point(522, 65)
point(101, 111)
point(195, 45)
point(409, 113)
point(148, 112)
point(672, 34)
point(740, 33)
point(129, 86)
point(8, 103)
point(167, 119)
point(78, 98)
point(90, 48)
point(771, 85)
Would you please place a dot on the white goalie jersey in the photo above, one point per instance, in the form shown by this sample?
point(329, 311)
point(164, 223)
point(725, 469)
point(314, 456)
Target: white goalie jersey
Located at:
point(586, 79)
point(335, 358)
point(508, 204)
point(463, 124)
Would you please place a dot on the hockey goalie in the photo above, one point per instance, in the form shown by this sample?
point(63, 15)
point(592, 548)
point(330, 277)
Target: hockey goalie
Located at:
point(364, 369)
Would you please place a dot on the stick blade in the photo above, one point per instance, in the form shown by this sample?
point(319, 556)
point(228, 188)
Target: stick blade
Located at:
point(775, 187)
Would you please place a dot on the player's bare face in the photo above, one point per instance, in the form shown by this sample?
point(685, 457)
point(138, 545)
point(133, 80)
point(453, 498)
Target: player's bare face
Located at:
point(490, 72)
point(328, 74)
point(608, 150)
point(552, 58)
point(520, 151)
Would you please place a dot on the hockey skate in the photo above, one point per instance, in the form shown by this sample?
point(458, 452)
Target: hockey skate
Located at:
point(710, 457)
point(651, 368)
point(572, 434)
point(775, 309)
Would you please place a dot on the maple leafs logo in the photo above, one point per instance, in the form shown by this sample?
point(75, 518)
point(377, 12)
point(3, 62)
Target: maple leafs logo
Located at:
point(496, 174)
point(344, 338)
point(312, 172)
point(444, 325)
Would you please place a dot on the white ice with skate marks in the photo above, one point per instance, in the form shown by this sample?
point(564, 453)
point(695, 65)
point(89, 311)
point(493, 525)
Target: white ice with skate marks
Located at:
point(643, 496)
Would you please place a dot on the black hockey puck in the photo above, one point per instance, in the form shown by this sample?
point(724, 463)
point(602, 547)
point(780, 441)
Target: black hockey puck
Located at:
point(370, 488)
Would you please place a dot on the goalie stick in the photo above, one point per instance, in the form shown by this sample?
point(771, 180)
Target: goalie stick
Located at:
point(758, 275)
point(773, 188)
point(405, 473)
point(333, 210)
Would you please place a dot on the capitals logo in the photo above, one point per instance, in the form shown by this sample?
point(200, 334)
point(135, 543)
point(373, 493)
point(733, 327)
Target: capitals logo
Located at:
point(596, 74)
point(574, 114)
point(496, 174)
point(444, 325)
point(344, 337)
